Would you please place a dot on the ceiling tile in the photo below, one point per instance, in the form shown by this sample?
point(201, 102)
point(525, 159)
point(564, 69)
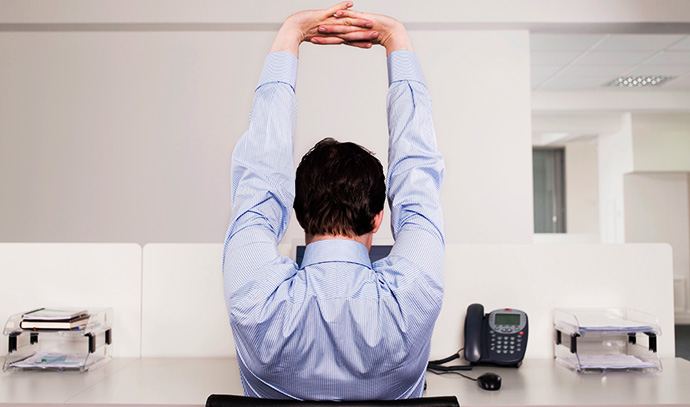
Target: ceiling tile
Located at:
point(637, 42)
point(678, 84)
point(614, 57)
point(544, 70)
point(671, 58)
point(682, 45)
point(664, 70)
point(596, 70)
point(553, 58)
point(587, 62)
point(575, 82)
point(562, 42)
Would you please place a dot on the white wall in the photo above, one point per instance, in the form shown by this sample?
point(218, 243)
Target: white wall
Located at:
point(657, 209)
point(118, 120)
point(573, 124)
point(482, 118)
point(661, 141)
point(607, 101)
point(582, 187)
point(126, 136)
point(502, 13)
point(614, 160)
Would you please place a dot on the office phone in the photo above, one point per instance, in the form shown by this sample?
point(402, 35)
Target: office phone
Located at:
point(498, 338)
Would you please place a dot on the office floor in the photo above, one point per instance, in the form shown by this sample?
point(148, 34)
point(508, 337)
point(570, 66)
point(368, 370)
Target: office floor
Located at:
point(683, 341)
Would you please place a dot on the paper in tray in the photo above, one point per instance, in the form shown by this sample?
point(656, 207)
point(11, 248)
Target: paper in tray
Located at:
point(51, 360)
point(596, 340)
point(613, 361)
point(613, 320)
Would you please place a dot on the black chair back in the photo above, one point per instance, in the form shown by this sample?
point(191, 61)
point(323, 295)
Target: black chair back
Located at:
point(225, 400)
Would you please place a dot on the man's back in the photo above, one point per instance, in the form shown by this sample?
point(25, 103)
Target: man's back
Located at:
point(338, 327)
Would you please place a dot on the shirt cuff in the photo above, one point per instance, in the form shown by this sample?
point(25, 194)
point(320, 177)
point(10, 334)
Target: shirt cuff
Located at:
point(279, 66)
point(403, 65)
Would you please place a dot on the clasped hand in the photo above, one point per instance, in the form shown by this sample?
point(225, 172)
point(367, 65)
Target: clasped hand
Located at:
point(341, 25)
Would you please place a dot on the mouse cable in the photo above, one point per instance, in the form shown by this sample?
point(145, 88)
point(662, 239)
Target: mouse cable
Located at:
point(452, 371)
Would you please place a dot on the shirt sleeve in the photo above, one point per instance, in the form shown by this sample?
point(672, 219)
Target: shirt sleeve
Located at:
point(415, 172)
point(263, 177)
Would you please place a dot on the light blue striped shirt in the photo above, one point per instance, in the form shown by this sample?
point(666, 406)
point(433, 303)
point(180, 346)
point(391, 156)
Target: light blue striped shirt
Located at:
point(339, 327)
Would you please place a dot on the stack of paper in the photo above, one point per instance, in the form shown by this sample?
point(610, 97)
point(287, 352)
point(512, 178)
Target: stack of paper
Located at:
point(601, 321)
point(612, 361)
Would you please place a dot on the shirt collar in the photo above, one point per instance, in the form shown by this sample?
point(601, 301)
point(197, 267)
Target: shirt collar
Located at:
point(332, 250)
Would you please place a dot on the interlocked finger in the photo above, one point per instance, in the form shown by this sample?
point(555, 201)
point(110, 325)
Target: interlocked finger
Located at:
point(348, 13)
point(337, 29)
point(327, 40)
point(339, 41)
point(359, 44)
point(359, 36)
point(338, 7)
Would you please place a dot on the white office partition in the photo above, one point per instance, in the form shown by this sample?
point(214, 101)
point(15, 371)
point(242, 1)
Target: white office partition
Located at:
point(183, 307)
point(183, 310)
point(537, 278)
point(86, 275)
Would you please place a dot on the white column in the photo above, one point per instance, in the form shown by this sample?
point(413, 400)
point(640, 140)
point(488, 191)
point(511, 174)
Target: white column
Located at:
point(615, 160)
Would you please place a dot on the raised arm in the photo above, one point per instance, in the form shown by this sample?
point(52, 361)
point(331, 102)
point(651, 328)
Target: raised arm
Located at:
point(415, 167)
point(263, 171)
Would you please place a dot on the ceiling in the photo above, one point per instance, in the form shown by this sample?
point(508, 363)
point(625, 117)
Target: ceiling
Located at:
point(585, 62)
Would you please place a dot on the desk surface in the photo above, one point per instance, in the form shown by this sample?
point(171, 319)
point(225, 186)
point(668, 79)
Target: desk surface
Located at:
point(187, 382)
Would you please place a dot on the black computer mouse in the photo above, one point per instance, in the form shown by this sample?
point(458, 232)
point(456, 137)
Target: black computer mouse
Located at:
point(489, 381)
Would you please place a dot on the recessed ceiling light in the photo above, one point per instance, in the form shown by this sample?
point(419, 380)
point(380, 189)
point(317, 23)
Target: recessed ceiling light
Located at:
point(638, 81)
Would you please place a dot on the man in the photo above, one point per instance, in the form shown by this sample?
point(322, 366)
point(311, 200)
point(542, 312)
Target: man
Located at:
point(339, 327)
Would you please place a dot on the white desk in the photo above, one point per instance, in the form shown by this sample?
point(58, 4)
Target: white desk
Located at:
point(543, 382)
point(188, 382)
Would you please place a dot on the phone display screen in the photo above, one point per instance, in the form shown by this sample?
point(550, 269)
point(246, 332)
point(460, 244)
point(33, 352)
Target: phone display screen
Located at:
point(507, 319)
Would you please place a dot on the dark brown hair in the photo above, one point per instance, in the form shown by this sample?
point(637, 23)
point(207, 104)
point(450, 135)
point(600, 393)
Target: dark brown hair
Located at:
point(339, 189)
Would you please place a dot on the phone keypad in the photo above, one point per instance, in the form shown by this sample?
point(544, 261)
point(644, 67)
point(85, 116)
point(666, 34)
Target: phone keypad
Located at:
point(506, 344)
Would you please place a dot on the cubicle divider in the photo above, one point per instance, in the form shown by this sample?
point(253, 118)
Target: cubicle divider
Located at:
point(538, 278)
point(172, 303)
point(183, 297)
point(183, 307)
point(75, 275)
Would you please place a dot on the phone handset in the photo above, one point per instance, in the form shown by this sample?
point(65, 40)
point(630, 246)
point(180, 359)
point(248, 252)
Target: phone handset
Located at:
point(473, 333)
